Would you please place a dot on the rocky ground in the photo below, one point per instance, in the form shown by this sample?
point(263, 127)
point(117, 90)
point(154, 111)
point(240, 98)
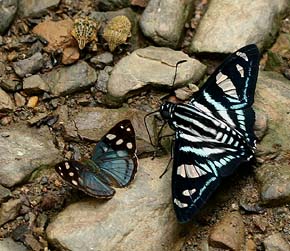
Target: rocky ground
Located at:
point(56, 101)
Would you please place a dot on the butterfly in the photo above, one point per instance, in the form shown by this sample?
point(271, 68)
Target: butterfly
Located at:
point(114, 163)
point(213, 132)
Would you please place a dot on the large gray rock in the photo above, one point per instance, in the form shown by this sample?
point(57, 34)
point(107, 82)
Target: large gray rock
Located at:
point(8, 244)
point(163, 21)
point(155, 66)
point(29, 65)
point(69, 79)
point(8, 9)
point(230, 24)
point(139, 217)
point(276, 242)
point(22, 150)
point(35, 8)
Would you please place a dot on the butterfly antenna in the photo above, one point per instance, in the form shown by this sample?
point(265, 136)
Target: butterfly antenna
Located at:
point(175, 74)
point(145, 117)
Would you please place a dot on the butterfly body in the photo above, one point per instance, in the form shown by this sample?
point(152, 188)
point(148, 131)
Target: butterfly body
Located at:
point(213, 132)
point(113, 163)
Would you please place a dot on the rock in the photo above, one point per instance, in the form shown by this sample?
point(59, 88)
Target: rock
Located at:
point(35, 8)
point(230, 24)
point(32, 102)
point(134, 213)
point(250, 245)
point(105, 58)
point(140, 3)
point(166, 29)
point(10, 85)
point(57, 34)
point(185, 93)
point(91, 123)
point(9, 210)
point(228, 233)
point(158, 69)
point(274, 183)
point(106, 5)
point(8, 244)
point(70, 55)
point(103, 79)
point(6, 103)
point(4, 194)
point(35, 85)
point(29, 65)
point(270, 88)
point(276, 242)
point(19, 99)
point(22, 150)
point(261, 124)
point(69, 79)
point(8, 10)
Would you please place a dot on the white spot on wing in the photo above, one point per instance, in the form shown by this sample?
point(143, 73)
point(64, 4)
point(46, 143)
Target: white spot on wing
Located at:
point(71, 174)
point(189, 192)
point(190, 171)
point(110, 136)
point(74, 182)
point(129, 145)
point(180, 204)
point(67, 166)
point(119, 142)
point(128, 129)
point(240, 70)
point(242, 55)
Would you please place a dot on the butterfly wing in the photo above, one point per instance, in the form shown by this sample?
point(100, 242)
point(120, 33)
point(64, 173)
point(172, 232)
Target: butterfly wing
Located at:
point(115, 153)
point(229, 92)
point(198, 165)
point(83, 177)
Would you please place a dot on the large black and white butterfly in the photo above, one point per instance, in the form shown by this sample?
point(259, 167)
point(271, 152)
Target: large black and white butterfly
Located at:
point(113, 163)
point(213, 132)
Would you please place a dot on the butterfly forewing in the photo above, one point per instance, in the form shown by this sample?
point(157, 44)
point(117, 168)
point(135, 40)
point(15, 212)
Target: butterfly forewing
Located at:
point(115, 154)
point(213, 132)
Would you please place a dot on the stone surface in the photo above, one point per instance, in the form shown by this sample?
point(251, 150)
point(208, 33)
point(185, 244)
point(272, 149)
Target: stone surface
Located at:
point(8, 244)
point(104, 58)
point(158, 69)
point(22, 150)
point(274, 183)
point(32, 101)
point(4, 193)
point(8, 10)
point(29, 65)
point(103, 79)
point(273, 99)
point(35, 8)
point(92, 123)
point(106, 5)
point(166, 29)
point(35, 85)
point(228, 233)
point(6, 103)
point(10, 85)
point(58, 34)
point(230, 24)
point(68, 79)
point(142, 212)
point(276, 242)
point(70, 55)
point(9, 210)
point(19, 99)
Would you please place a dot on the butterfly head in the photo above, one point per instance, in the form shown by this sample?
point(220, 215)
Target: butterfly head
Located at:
point(166, 110)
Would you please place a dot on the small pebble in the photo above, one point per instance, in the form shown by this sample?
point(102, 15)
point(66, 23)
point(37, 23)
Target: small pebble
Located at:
point(32, 102)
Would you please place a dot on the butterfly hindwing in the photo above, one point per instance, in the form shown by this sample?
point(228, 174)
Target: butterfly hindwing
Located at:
point(115, 153)
point(84, 178)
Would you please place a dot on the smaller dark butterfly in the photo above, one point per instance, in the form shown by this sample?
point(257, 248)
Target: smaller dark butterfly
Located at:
point(113, 163)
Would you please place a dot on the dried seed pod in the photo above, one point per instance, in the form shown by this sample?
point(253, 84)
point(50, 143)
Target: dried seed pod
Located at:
point(85, 31)
point(117, 31)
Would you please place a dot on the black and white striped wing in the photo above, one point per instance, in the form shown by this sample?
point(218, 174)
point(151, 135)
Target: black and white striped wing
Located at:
point(229, 92)
point(198, 166)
